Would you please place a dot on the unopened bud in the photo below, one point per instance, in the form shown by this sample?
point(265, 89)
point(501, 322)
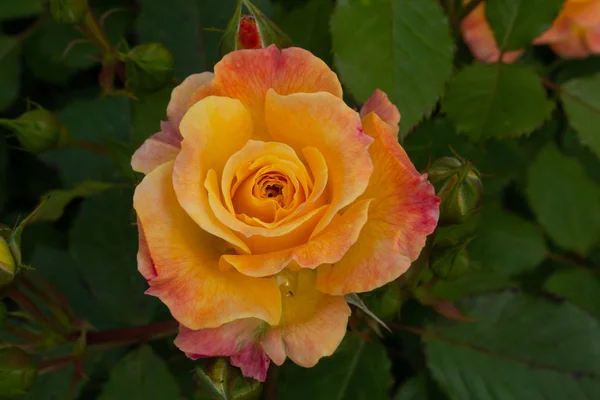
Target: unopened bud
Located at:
point(68, 11)
point(218, 376)
point(252, 31)
point(17, 372)
point(450, 262)
point(8, 266)
point(38, 130)
point(458, 184)
point(149, 66)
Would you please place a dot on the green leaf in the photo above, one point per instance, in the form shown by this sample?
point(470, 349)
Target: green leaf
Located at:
point(54, 386)
point(413, 389)
point(581, 99)
point(402, 47)
point(519, 347)
point(10, 9)
point(60, 269)
point(10, 70)
point(308, 26)
point(104, 244)
point(506, 243)
point(55, 52)
point(140, 375)
point(175, 24)
point(147, 112)
point(496, 101)
point(578, 285)
point(516, 23)
point(565, 200)
point(357, 370)
point(472, 283)
point(55, 201)
point(95, 121)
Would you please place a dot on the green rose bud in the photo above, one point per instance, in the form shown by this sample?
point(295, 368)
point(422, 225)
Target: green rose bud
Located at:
point(68, 11)
point(458, 184)
point(450, 262)
point(149, 66)
point(38, 130)
point(219, 377)
point(8, 266)
point(17, 372)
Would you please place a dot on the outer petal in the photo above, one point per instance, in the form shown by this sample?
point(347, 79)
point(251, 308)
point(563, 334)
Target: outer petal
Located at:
point(213, 129)
point(182, 95)
point(313, 325)
point(382, 106)
point(237, 339)
point(158, 149)
point(404, 212)
point(144, 260)
point(329, 246)
point(247, 75)
point(325, 122)
point(185, 257)
point(593, 40)
point(480, 39)
point(572, 46)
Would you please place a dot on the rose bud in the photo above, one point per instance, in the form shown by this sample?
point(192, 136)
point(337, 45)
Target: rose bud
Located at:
point(149, 66)
point(8, 265)
point(68, 12)
point(38, 130)
point(217, 376)
point(459, 186)
point(17, 371)
point(253, 31)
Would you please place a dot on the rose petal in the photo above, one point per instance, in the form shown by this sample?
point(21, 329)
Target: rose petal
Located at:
point(189, 282)
point(572, 46)
point(253, 361)
point(479, 37)
point(247, 75)
point(144, 260)
point(313, 325)
point(326, 123)
point(181, 96)
point(404, 211)
point(156, 150)
point(329, 246)
point(380, 104)
point(237, 339)
point(213, 129)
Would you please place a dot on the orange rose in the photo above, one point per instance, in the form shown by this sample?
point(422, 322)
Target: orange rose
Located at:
point(575, 33)
point(266, 200)
point(479, 37)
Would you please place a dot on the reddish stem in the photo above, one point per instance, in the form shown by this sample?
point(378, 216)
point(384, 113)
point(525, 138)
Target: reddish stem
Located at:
point(153, 331)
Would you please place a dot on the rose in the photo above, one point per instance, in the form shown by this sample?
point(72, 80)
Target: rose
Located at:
point(266, 200)
point(479, 37)
point(575, 33)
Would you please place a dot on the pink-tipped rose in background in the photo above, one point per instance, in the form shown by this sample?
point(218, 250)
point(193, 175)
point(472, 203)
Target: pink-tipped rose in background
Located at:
point(575, 33)
point(266, 200)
